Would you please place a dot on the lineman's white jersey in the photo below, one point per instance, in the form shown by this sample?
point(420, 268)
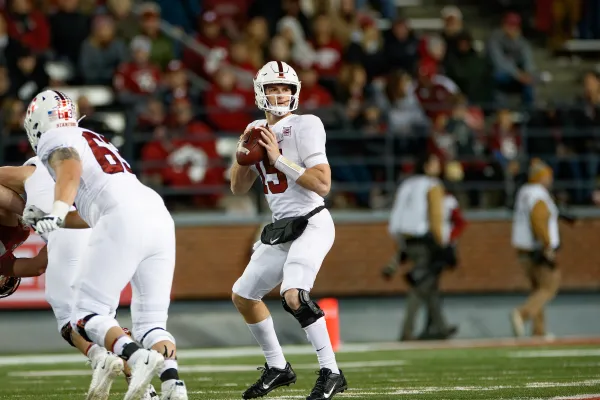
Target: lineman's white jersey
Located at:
point(301, 140)
point(106, 179)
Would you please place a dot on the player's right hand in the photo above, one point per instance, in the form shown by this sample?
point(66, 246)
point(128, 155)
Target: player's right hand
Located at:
point(48, 224)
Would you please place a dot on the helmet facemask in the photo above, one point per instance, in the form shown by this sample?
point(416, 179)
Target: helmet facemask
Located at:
point(269, 102)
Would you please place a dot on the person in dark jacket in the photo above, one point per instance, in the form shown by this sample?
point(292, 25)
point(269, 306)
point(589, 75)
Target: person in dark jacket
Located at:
point(401, 46)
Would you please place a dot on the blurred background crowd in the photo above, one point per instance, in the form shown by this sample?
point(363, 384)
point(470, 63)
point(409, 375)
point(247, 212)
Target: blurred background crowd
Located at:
point(484, 85)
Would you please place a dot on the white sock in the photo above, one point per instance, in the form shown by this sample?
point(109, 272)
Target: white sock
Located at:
point(319, 337)
point(264, 333)
point(94, 350)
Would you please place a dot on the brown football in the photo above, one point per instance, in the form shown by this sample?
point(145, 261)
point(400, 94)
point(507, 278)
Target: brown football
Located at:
point(251, 152)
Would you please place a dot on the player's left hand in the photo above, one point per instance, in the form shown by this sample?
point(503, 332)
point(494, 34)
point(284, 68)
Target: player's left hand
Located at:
point(31, 215)
point(269, 142)
point(48, 224)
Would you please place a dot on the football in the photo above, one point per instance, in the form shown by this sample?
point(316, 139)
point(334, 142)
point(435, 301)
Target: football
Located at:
point(250, 152)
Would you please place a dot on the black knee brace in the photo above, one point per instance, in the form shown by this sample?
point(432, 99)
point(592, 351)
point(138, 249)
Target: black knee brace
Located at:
point(65, 332)
point(81, 326)
point(309, 311)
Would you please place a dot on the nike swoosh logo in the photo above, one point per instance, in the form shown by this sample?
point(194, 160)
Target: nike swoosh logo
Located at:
point(321, 348)
point(327, 395)
point(268, 385)
point(274, 240)
point(147, 359)
point(280, 141)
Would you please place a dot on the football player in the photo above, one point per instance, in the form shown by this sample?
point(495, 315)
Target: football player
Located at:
point(66, 247)
point(132, 240)
point(295, 178)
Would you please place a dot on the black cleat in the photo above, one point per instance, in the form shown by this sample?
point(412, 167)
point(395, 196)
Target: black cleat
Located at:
point(271, 379)
point(328, 385)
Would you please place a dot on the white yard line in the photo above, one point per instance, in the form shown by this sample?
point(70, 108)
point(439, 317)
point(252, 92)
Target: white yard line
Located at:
point(212, 368)
point(555, 353)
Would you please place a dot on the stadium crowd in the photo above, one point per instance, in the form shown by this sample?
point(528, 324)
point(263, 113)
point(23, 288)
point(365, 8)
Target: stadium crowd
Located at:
point(382, 93)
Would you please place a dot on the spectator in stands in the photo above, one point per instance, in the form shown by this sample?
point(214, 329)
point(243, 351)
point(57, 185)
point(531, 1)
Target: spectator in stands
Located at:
point(152, 116)
point(453, 29)
point(210, 37)
point(136, 80)
point(328, 51)
point(176, 84)
point(302, 53)
point(402, 109)
point(257, 39)
point(92, 121)
point(367, 48)
point(343, 16)
point(315, 99)
point(185, 157)
point(28, 25)
point(504, 138)
point(16, 147)
point(27, 75)
point(434, 91)
point(469, 70)
point(182, 14)
point(586, 119)
point(432, 51)
point(239, 58)
point(162, 47)
point(401, 46)
point(126, 22)
point(69, 28)
point(512, 59)
point(228, 107)
point(589, 26)
point(101, 53)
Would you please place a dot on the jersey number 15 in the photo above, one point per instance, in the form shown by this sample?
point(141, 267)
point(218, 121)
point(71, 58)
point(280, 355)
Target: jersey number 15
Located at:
point(106, 154)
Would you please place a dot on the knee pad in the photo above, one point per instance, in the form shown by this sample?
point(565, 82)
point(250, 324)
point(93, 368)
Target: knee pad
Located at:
point(155, 335)
point(93, 327)
point(309, 311)
point(65, 332)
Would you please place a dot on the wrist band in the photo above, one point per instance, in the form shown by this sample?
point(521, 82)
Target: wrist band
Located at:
point(60, 209)
point(289, 168)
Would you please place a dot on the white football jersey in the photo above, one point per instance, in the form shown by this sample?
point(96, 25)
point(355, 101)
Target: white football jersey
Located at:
point(301, 140)
point(409, 214)
point(106, 179)
point(522, 231)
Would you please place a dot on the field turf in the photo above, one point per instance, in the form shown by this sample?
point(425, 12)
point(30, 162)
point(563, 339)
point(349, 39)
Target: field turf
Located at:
point(455, 370)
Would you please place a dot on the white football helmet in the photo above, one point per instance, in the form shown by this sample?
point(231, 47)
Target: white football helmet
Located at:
point(276, 72)
point(49, 109)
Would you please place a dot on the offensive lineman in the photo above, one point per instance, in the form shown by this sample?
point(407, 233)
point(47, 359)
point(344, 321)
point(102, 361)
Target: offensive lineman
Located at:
point(133, 239)
point(65, 251)
point(295, 179)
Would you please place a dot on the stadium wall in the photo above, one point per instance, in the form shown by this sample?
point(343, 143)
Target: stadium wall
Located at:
point(210, 258)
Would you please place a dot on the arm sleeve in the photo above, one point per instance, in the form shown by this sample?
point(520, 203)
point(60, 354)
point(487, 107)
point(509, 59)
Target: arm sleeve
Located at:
point(311, 142)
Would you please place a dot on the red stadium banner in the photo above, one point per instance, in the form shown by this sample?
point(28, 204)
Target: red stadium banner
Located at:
point(31, 292)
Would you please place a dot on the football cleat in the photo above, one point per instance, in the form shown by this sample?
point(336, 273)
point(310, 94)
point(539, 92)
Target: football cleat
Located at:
point(270, 379)
point(328, 385)
point(106, 367)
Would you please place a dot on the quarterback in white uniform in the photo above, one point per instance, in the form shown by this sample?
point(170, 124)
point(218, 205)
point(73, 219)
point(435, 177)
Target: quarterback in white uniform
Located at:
point(295, 178)
point(132, 240)
point(65, 251)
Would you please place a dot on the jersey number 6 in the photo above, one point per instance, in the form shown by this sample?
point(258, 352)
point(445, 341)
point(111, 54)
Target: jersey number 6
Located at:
point(106, 154)
point(270, 186)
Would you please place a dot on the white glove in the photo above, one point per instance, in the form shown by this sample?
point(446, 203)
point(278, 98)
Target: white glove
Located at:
point(31, 215)
point(48, 224)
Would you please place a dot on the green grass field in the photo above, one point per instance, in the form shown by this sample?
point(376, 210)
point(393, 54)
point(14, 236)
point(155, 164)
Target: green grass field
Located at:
point(376, 372)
